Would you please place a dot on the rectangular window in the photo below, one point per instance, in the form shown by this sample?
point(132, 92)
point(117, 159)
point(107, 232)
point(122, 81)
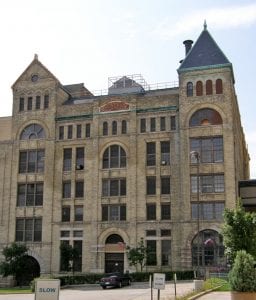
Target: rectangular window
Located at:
point(70, 131)
point(151, 211)
point(78, 245)
point(30, 103)
point(31, 161)
point(166, 252)
point(65, 214)
point(38, 102)
point(66, 189)
point(67, 159)
point(166, 211)
point(64, 233)
point(88, 130)
point(78, 233)
point(151, 185)
point(61, 132)
point(78, 131)
point(162, 124)
point(151, 256)
point(113, 187)
point(165, 153)
point(79, 193)
point(78, 213)
point(165, 185)
point(22, 104)
point(208, 211)
point(151, 154)
point(142, 125)
point(152, 124)
point(173, 122)
point(28, 230)
point(165, 232)
point(30, 194)
point(150, 232)
point(80, 158)
point(210, 149)
point(208, 183)
point(46, 101)
point(113, 212)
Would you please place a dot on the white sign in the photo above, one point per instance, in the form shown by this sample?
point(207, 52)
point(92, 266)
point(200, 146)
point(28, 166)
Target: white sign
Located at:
point(159, 281)
point(47, 289)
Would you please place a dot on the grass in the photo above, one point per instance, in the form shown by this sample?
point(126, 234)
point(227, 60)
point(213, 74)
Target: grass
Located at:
point(209, 284)
point(15, 290)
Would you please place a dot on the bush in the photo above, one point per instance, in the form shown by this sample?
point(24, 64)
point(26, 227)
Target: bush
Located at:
point(242, 277)
point(92, 278)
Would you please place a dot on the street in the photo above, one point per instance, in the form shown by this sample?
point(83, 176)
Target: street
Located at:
point(137, 291)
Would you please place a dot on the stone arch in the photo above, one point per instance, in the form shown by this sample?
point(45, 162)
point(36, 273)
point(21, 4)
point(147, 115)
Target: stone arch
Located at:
point(31, 122)
point(114, 241)
point(202, 106)
point(40, 260)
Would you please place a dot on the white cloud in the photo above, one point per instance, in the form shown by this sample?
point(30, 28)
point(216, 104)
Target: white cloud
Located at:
point(251, 141)
point(224, 17)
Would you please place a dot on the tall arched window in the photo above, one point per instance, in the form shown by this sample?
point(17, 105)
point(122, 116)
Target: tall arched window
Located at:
point(207, 249)
point(114, 157)
point(114, 127)
point(124, 127)
point(199, 88)
point(219, 87)
point(32, 132)
point(105, 128)
point(205, 116)
point(208, 87)
point(189, 89)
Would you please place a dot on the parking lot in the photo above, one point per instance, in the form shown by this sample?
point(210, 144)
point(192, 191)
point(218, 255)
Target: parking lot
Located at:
point(137, 291)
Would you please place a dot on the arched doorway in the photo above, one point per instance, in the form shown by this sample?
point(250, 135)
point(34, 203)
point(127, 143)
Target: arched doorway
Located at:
point(208, 250)
point(31, 270)
point(114, 254)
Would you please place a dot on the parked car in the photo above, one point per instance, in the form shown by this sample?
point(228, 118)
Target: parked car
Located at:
point(116, 279)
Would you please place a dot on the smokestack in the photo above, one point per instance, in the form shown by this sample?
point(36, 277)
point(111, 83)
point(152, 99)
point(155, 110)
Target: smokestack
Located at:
point(188, 45)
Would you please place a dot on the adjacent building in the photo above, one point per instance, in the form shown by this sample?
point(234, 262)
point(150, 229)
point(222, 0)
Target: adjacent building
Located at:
point(100, 172)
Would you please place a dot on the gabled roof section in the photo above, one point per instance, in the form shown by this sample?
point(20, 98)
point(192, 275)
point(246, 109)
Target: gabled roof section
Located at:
point(35, 64)
point(205, 53)
point(77, 91)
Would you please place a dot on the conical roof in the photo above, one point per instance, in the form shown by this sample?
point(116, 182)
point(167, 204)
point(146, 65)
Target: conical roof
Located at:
point(204, 53)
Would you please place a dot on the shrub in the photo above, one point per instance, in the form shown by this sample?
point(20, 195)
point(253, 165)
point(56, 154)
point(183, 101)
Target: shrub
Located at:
point(242, 277)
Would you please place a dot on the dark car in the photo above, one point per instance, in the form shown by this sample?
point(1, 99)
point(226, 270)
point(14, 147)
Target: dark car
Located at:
point(115, 280)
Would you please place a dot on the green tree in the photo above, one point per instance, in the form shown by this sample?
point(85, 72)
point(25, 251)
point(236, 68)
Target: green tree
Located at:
point(242, 277)
point(138, 255)
point(239, 232)
point(14, 262)
point(68, 256)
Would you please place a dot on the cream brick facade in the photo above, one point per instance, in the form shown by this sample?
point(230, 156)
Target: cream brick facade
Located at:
point(69, 107)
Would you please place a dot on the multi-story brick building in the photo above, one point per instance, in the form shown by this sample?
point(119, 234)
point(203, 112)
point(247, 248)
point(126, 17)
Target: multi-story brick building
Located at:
point(102, 172)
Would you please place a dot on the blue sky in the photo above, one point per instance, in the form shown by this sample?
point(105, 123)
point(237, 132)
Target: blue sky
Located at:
point(89, 41)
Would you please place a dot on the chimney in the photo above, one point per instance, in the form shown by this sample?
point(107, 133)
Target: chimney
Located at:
point(188, 45)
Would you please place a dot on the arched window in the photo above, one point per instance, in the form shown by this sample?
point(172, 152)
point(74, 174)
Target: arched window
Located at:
point(207, 249)
point(124, 127)
point(205, 116)
point(114, 127)
point(114, 239)
point(219, 87)
point(114, 157)
point(105, 128)
point(189, 89)
point(32, 132)
point(208, 87)
point(199, 88)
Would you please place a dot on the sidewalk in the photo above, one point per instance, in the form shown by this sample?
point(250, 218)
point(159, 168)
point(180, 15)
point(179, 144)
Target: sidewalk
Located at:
point(216, 296)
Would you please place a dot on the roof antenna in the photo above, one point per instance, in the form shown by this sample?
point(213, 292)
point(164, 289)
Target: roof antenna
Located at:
point(205, 25)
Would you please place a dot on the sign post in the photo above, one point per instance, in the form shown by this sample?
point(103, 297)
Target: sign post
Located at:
point(159, 283)
point(47, 289)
